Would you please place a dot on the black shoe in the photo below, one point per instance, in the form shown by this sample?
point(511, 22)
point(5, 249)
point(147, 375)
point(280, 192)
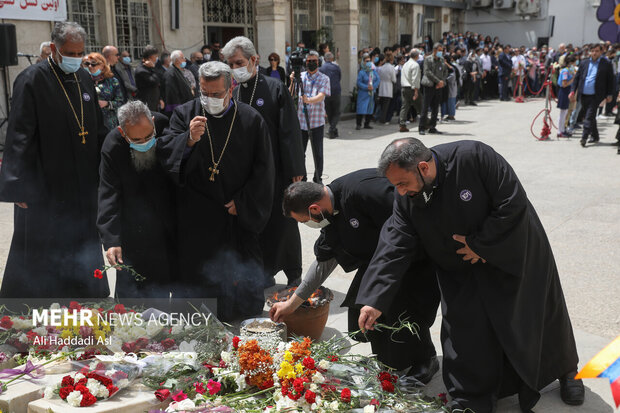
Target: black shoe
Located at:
point(434, 131)
point(367, 127)
point(358, 127)
point(572, 391)
point(403, 129)
point(425, 371)
point(618, 151)
point(473, 104)
point(336, 133)
point(422, 132)
point(583, 143)
point(593, 140)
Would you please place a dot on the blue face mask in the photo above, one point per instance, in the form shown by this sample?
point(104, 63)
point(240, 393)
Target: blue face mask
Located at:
point(70, 64)
point(143, 147)
point(183, 64)
point(127, 60)
point(440, 54)
point(376, 59)
point(368, 65)
point(97, 73)
point(288, 49)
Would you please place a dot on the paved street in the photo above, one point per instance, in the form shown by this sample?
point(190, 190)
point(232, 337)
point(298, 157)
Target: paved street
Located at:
point(575, 191)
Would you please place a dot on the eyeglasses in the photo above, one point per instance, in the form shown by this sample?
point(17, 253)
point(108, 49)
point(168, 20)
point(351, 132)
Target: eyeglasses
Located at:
point(272, 59)
point(140, 140)
point(217, 95)
point(93, 64)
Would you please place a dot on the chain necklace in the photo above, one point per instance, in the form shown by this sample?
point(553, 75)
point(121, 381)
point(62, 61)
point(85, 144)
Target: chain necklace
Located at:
point(214, 171)
point(253, 90)
point(81, 125)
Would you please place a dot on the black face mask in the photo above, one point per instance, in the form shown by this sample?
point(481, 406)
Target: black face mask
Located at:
point(423, 197)
point(312, 66)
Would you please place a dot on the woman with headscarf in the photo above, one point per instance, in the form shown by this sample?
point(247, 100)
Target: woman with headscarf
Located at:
point(367, 84)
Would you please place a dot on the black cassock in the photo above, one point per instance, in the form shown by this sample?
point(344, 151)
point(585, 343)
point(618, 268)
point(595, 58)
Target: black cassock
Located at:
point(364, 202)
point(505, 325)
point(55, 246)
point(280, 241)
point(219, 253)
point(137, 213)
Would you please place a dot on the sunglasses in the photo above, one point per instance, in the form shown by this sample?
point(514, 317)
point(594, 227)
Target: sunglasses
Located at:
point(273, 60)
point(93, 64)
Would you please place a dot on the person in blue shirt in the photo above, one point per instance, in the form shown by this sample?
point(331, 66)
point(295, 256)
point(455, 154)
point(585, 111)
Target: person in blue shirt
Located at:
point(594, 82)
point(367, 84)
point(565, 80)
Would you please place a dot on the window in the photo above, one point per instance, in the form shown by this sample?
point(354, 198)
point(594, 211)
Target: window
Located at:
point(304, 12)
point(133, 26)
point(384, 25)
point(225, 19)
point(364, 27)
point(84, 13)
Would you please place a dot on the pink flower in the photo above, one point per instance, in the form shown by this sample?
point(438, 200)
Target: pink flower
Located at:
point(200, 388)
point(178, 396)
point(213, 387)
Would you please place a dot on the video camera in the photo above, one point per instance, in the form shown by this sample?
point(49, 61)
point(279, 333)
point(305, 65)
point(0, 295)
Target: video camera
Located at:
point(298, 61)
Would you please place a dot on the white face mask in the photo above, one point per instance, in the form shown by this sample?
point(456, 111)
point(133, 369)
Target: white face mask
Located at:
point(213, 106)
point(242, 74)
point(317, 225)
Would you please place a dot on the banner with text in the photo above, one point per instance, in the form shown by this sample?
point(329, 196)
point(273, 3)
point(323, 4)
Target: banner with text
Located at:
point(52, 10)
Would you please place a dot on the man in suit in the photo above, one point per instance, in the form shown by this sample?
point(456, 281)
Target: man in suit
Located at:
point(594, 82)
point(148, 81)
point(505, 67)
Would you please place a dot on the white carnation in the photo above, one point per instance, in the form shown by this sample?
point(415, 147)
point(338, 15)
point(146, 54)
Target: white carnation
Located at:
point(324, 364)
point(93, 386)
point(182, 405)
point(153, 328)
point(240, 382)
point(78, 376)
point(55, 306)
point(103, 392)
point(226, 357)
point(42, 331)
point(314, 387)
point(122, 383)
point(74, 398)
point(23, 338)
point(334, 405)
point(369, 409)
point(21, 324)
point(48, 393)
point(176, 329)
point(318, 378)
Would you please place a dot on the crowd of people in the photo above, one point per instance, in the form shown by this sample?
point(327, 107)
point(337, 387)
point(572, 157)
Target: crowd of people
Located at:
point(192, 173)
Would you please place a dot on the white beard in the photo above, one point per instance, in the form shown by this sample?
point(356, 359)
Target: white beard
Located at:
point(143, 161)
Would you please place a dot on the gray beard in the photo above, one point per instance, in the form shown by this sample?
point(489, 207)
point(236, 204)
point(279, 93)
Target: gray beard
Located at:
point(143, 161)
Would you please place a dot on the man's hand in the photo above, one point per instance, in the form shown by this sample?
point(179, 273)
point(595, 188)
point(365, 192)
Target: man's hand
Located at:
point(440, 84)
point(196, 129)
point(298, 178)
point(368, 318)
point(232, 209)
point(22, 205)
point(415, 94)
point(468, 254)
point(103, 103)
point(114, 256)
point(306, 99)
point(571, 96)
point(162, 105)
point(280, 310)
point(148, 63)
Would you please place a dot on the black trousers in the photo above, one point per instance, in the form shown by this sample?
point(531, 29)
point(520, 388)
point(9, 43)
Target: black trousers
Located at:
point(503, 86)
point(359, 118)
point(431, 101)
point(317, 150)
point(332, 109)
point(385, 105)
point(590, 105)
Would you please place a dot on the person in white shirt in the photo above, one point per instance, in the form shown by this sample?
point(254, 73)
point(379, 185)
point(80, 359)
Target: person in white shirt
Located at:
point(487, 66)
point(387, 75)
point(410, 82)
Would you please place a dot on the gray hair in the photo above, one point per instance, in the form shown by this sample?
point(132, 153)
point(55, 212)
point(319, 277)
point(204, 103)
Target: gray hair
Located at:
point(239, 43)
point(406, 153)
point(67, 31)
point(175, 55)
point(313, 53)
point(215, 70)
point(131, 113)
point(44, 44)
point(414, 53)
point(437, 46)
point(329, 57)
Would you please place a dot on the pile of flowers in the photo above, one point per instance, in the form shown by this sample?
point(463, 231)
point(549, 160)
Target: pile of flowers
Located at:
point(85, 387)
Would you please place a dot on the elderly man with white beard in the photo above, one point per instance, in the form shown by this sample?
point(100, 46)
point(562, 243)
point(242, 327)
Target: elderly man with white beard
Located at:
point(136, 214)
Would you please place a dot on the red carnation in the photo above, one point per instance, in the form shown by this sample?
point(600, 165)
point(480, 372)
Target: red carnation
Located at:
point(129, 347)
point(308, 363)
point(387, 386)
point(168, 343)
point(266, 384)
point(111, 389)
point(235, 342)
point(222, 364)
point(332, 358)
point(310, 396)
point(81, 381)
point(120, 309)
point(98, 274)
point(284, 390)
point(298, 385)
point(67, 381)
point(375, 402)
point(64, 391)
point(162, 394)
point(87, 399)
point(74, 305)
point(200, 387)
point(84, 370)
point(6, 322)
point(82, 389)
point(345, 395)
point(141, 343)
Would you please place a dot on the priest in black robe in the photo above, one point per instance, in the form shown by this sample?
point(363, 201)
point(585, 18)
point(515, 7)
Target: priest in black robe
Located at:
point(506, 328)
point(50, 171)
point(280, 241)
point(136, 216)
point(218, 151)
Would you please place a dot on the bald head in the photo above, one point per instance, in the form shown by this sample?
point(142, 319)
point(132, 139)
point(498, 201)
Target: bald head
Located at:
point(405, 153)
point(111, 54)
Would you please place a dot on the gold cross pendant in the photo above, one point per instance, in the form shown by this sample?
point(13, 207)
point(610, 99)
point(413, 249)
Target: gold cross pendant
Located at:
point(213, 171)
point(83, 135)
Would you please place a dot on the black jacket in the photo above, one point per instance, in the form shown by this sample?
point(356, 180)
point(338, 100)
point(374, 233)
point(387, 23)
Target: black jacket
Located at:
point(604, 85)
point(178, 90)
point(148, 83)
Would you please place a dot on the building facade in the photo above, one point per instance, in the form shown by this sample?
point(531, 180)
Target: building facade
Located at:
point(347, 25)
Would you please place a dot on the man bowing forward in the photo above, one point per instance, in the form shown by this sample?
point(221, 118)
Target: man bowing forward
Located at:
point(218, 150)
